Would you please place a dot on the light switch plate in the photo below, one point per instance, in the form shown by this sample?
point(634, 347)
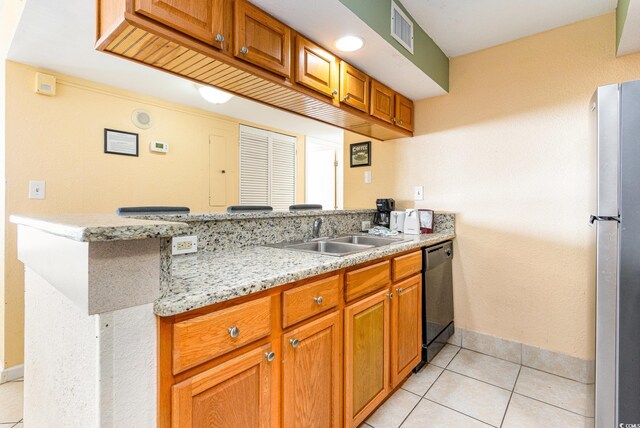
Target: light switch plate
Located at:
point(418, 193)
point(184, 245)
point(367, 177)
point(36, 189)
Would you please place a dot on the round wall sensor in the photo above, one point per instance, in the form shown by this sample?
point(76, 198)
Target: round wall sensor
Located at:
point(141, 119)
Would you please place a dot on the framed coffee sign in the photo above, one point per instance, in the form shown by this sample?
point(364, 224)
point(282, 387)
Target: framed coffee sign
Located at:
point(360, 154)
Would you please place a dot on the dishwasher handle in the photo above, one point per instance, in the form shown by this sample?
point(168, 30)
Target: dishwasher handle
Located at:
point(438, 254)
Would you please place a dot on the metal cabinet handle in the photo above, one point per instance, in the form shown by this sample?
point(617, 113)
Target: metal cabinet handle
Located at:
point(335, 92)
point(399, 290)
point(244, 50)
point(393, 120)
point(219, 38)
point(294, 343)
point(318, 300)
point(234, 332)
point(270, 356)
point(390, 295)
point(346, 97)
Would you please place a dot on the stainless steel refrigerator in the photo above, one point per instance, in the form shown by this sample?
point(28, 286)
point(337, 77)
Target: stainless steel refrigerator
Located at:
point(616, 121)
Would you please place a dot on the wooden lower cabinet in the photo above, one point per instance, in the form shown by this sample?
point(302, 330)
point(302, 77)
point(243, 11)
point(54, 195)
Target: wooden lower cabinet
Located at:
point(366, 362)
point(234, 394)
point(311, 374)
point(406, 328)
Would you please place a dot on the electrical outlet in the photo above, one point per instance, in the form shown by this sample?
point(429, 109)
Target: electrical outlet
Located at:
point(184, 245)
point(418, 193)
point(36, 189)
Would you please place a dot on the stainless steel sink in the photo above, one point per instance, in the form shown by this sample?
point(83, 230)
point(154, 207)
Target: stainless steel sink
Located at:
point(375, 241)
point(329, 248)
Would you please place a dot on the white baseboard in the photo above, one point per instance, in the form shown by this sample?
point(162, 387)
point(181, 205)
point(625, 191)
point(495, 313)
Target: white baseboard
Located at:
point(11, 373)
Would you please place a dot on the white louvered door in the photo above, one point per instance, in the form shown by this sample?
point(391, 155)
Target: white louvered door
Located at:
point(267, 168)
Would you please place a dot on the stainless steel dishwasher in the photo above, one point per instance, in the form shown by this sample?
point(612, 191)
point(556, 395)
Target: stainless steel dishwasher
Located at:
point(437, 300)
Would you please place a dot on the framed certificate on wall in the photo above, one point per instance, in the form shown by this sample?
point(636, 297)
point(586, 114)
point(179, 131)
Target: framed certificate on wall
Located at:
point(120, 142)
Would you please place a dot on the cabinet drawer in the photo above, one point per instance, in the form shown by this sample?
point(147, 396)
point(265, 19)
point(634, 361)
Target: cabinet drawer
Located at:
point(407, 265)
point(367, 279)
point(308, 300)
point(208, 336)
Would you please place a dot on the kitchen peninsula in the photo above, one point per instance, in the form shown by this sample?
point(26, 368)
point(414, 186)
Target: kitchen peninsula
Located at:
point(138, 337)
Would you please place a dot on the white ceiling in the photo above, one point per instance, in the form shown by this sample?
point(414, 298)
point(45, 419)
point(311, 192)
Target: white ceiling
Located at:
point(60, 35)
point(464, 26)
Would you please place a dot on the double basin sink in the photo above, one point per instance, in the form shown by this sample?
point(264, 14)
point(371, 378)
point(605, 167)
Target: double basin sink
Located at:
point(342, 246)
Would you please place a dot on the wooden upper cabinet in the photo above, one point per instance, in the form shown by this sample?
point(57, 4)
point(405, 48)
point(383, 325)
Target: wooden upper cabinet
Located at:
point(311, 374)
point(237, 393)
point(316, 68)
point(202, 20)
point(404, 113)
point(382, 101)
point(354, 87)
point(406, 328)
point(261, 39)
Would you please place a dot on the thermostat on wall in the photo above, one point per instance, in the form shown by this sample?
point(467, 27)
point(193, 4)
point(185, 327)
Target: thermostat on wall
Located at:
point(159, 146)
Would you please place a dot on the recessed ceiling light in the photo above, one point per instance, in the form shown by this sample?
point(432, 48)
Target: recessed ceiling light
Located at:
point(349, 43)
point(214, 95)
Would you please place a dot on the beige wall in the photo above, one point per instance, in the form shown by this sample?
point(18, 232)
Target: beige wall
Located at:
point(357, 194)
point(509, 151)
point(60, 139)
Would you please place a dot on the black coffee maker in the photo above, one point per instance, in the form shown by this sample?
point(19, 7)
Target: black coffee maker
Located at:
point(383, 216)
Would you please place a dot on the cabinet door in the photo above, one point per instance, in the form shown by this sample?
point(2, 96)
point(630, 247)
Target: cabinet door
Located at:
point(261, 39)
point(311, 374)
point(202, 20)
point(235, 394)
point(354, 87)
point(316, 68)
point(366, 360)
point(404, 113)
point(382, 101)
point(406, 327)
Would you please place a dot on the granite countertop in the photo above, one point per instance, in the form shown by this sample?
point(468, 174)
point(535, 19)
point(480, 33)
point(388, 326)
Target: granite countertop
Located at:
point(100, 227)
point(206, 278)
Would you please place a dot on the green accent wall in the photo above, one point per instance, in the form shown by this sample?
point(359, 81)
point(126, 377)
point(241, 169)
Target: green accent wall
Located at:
point(427, 56)
point(621, 17)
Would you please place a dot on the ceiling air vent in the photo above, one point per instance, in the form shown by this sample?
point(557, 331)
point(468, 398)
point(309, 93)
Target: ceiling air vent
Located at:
point(401, 27)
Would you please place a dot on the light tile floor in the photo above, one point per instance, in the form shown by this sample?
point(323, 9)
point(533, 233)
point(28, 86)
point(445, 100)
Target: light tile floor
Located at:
point(11, 398)
point(463, 388)
point(460, 388)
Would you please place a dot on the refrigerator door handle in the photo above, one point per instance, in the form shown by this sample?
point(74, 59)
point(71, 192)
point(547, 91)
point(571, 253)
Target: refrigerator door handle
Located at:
point(595, 218)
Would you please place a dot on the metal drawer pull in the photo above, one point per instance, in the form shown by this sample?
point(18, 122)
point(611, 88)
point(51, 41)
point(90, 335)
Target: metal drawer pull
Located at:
point(346, 97)
point(390, 295)
point(294, 343)
point(335, 92)
point(234, 332)
point(270, 356)
point(399, 290)
point(318, 300)
point(219, 38)
point(244, 50)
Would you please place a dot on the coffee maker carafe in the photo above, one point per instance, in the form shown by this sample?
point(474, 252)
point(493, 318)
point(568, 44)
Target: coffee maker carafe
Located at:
point(383, 216)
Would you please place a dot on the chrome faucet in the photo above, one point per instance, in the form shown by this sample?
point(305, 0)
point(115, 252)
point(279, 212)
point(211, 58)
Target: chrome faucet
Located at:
point(316, 228)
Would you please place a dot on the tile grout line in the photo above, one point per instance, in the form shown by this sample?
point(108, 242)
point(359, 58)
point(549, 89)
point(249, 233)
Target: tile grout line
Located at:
point(510, 397)
point(553, 374)
point(458, 411)
point(553, 405)
point(483, 381)
point(412, 409)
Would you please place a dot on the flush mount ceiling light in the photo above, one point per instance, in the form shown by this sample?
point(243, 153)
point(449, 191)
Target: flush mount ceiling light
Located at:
point(349, 43)
point(213, 95)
